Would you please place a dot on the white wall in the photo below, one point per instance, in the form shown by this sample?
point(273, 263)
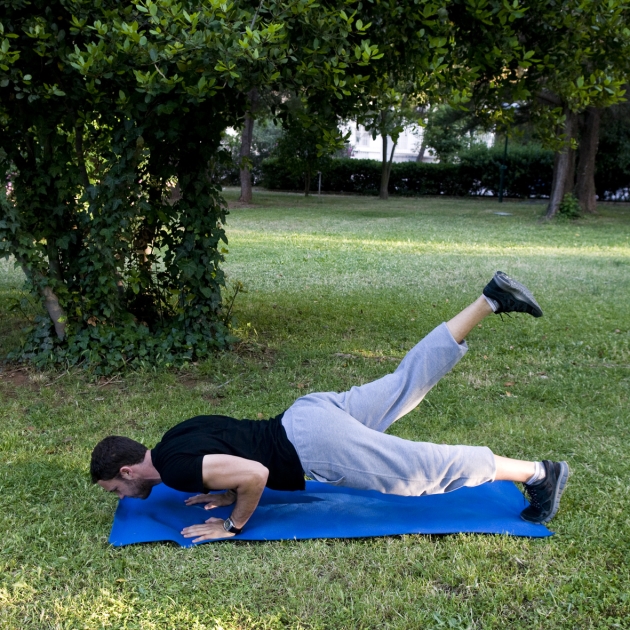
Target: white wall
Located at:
point(364, 147)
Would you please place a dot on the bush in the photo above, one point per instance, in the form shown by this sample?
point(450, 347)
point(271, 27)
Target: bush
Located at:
point(528, 174)
point(569, 207)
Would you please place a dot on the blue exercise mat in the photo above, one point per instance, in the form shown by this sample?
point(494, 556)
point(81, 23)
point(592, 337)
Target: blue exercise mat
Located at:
point(324, 511)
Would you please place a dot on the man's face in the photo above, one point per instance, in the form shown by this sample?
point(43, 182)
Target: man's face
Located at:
point(132, 488)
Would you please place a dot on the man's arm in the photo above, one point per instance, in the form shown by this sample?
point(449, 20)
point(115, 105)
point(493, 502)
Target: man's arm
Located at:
point(213, 500)
point(246, 477)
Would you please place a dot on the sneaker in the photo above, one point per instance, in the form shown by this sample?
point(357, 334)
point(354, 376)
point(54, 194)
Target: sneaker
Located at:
point(545, 495)
point(511, 296)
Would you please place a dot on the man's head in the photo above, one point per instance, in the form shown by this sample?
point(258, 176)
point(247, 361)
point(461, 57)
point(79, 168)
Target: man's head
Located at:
point(119, 465)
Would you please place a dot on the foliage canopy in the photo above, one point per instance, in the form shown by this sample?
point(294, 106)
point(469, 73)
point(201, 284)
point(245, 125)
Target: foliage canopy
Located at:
point(111, 112)
point(104, 108)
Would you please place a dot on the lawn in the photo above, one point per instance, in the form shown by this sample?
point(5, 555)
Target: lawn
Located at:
point(339, 288)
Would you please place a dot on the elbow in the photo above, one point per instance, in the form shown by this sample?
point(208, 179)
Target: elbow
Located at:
point(262, 474)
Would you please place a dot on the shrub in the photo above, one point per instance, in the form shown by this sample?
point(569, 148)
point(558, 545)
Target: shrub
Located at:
point(528, 174)
point(569, 207)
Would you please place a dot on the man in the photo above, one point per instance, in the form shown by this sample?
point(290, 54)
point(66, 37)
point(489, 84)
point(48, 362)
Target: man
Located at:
point(333, 438)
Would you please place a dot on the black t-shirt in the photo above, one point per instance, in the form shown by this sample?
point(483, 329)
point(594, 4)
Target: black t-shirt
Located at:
point(178, 457)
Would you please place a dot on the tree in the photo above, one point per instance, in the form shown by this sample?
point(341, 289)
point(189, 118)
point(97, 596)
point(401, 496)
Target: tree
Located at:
point(247, 135)
point(302, 149)
point(258, 123)
point(446, 130)
point(432, 52)
point(103, 109)
point(578, 55)
point(387, 115)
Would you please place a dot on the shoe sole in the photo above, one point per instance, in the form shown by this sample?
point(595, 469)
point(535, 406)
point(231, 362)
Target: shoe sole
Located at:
point(560, 485)
point(557, 495)
point(518, 290)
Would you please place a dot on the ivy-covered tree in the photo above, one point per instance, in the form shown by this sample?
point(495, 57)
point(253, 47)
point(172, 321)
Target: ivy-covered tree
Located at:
point(105, 108)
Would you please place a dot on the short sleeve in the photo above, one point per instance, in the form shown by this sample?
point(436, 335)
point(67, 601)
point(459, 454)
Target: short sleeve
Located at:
point(183, 472)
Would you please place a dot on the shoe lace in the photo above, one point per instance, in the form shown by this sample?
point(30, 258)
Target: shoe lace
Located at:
point(535, 494)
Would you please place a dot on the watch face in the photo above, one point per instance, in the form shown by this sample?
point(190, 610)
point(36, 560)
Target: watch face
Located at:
point(227, 524)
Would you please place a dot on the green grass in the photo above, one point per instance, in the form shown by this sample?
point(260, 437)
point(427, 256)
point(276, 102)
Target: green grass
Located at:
point(339, 288)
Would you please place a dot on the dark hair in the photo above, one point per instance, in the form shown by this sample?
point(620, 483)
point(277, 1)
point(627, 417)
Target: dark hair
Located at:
point(113, 452)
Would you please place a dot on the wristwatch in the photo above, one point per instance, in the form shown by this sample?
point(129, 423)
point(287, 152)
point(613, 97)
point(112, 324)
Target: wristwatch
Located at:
point(228, 526)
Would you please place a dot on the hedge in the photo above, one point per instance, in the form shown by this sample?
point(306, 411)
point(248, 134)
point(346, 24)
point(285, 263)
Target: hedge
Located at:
point(528, 174)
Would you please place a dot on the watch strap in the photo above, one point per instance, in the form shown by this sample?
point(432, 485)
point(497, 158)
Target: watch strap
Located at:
point(228, 526)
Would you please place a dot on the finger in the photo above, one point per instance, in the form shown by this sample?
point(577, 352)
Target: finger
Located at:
point(209, 506)
point(199, 498)
point(193, 530)
point(214, 519)
point(200, 528)
point(191, 534)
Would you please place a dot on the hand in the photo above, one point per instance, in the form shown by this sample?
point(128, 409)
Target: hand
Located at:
point(213, 500)
point(211, 529)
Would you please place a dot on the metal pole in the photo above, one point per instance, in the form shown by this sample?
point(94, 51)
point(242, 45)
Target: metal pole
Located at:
point(502, 169)
point(319, 187)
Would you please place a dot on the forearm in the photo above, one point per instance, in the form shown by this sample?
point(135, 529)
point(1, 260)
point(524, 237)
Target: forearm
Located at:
point(245, 479)
point(229, 497)
point(246, 502)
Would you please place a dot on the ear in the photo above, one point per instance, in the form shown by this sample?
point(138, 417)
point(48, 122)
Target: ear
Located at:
point(126, 472)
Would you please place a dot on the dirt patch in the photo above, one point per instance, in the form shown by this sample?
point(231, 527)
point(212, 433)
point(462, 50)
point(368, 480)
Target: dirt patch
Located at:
point(256, 351)
point(16, 378)
point(12, 380)
point(190, 380)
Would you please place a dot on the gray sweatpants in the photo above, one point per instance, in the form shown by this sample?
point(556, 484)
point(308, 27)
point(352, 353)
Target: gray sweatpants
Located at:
point(339, 437)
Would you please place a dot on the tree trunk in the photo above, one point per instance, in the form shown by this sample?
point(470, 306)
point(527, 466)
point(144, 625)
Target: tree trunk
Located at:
point(423, 149)
point(564, 167)
point(569, 182)
point(54, 268)
point(51, 301)
point(56, 312)
point(383, 192)
point(246, 147)
point(589, 140)
point(391, 159)
point(386, 168)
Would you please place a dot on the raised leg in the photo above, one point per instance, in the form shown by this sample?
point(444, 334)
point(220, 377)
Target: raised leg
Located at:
point(467, 319)
point(380, 403)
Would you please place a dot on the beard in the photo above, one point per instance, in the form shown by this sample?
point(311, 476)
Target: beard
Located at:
point(139, 488)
